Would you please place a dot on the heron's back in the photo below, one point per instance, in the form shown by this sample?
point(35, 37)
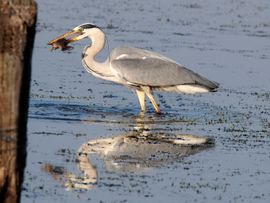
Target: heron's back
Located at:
point(147, 68)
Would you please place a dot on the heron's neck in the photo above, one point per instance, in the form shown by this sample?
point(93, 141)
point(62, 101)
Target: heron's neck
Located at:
point(90, 53)
point(98, 41)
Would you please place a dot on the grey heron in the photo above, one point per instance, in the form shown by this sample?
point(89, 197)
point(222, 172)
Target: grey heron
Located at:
point(139, 69)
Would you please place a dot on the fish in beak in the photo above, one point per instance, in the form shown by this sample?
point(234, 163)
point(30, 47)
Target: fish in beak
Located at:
point(62, 42)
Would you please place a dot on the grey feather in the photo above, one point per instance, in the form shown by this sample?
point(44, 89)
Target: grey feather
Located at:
point(142, 67)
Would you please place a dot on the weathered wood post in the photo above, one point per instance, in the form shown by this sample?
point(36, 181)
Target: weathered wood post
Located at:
point(17, 31)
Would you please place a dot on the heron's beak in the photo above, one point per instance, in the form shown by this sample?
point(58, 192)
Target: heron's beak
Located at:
point(64, 36)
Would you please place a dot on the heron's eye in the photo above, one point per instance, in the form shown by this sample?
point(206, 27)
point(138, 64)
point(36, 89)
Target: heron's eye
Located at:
point(81, 30)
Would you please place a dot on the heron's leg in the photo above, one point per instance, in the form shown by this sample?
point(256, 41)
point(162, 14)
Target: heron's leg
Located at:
point(150, 96)
point(141, 97)
point(155, 105)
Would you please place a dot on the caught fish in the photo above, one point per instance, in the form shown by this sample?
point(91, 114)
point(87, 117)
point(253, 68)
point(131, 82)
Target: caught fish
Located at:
point(60, 44)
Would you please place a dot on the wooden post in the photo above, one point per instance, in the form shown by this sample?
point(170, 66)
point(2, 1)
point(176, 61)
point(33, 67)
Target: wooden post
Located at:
point(17, 31)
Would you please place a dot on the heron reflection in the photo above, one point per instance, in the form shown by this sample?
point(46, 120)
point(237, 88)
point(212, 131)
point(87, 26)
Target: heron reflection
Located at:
point(130, 152)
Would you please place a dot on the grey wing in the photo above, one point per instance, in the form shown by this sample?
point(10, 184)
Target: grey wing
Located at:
point(141, 67)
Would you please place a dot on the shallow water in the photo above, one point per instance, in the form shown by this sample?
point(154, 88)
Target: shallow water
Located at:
point(226, 41)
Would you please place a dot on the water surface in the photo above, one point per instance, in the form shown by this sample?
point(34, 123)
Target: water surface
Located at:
point(227, 41)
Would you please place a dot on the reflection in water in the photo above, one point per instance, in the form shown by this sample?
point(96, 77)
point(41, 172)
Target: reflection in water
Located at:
point(131, 152)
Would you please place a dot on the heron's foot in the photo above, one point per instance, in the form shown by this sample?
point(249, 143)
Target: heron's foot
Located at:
point(158, 112)
point(141, 114)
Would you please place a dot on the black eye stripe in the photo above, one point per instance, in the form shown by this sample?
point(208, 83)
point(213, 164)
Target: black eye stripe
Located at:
point(89, 26)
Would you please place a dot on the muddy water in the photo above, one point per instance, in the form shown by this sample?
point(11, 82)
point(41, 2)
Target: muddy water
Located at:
point(227, 41)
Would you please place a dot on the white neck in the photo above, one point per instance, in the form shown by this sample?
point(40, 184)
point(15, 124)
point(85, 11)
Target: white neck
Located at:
point(98, 69)
point(98, 41)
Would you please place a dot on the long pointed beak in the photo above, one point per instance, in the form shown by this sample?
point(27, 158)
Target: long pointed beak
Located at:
point(72, 39)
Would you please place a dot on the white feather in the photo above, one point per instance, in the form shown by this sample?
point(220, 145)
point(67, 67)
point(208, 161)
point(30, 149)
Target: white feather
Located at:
point(186, 89)
point(121, 56)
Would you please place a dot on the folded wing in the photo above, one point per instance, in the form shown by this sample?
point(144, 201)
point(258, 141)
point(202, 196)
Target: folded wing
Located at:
point(142, 67)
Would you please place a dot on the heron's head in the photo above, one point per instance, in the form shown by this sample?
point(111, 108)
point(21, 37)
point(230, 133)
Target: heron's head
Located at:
point(80, 32)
